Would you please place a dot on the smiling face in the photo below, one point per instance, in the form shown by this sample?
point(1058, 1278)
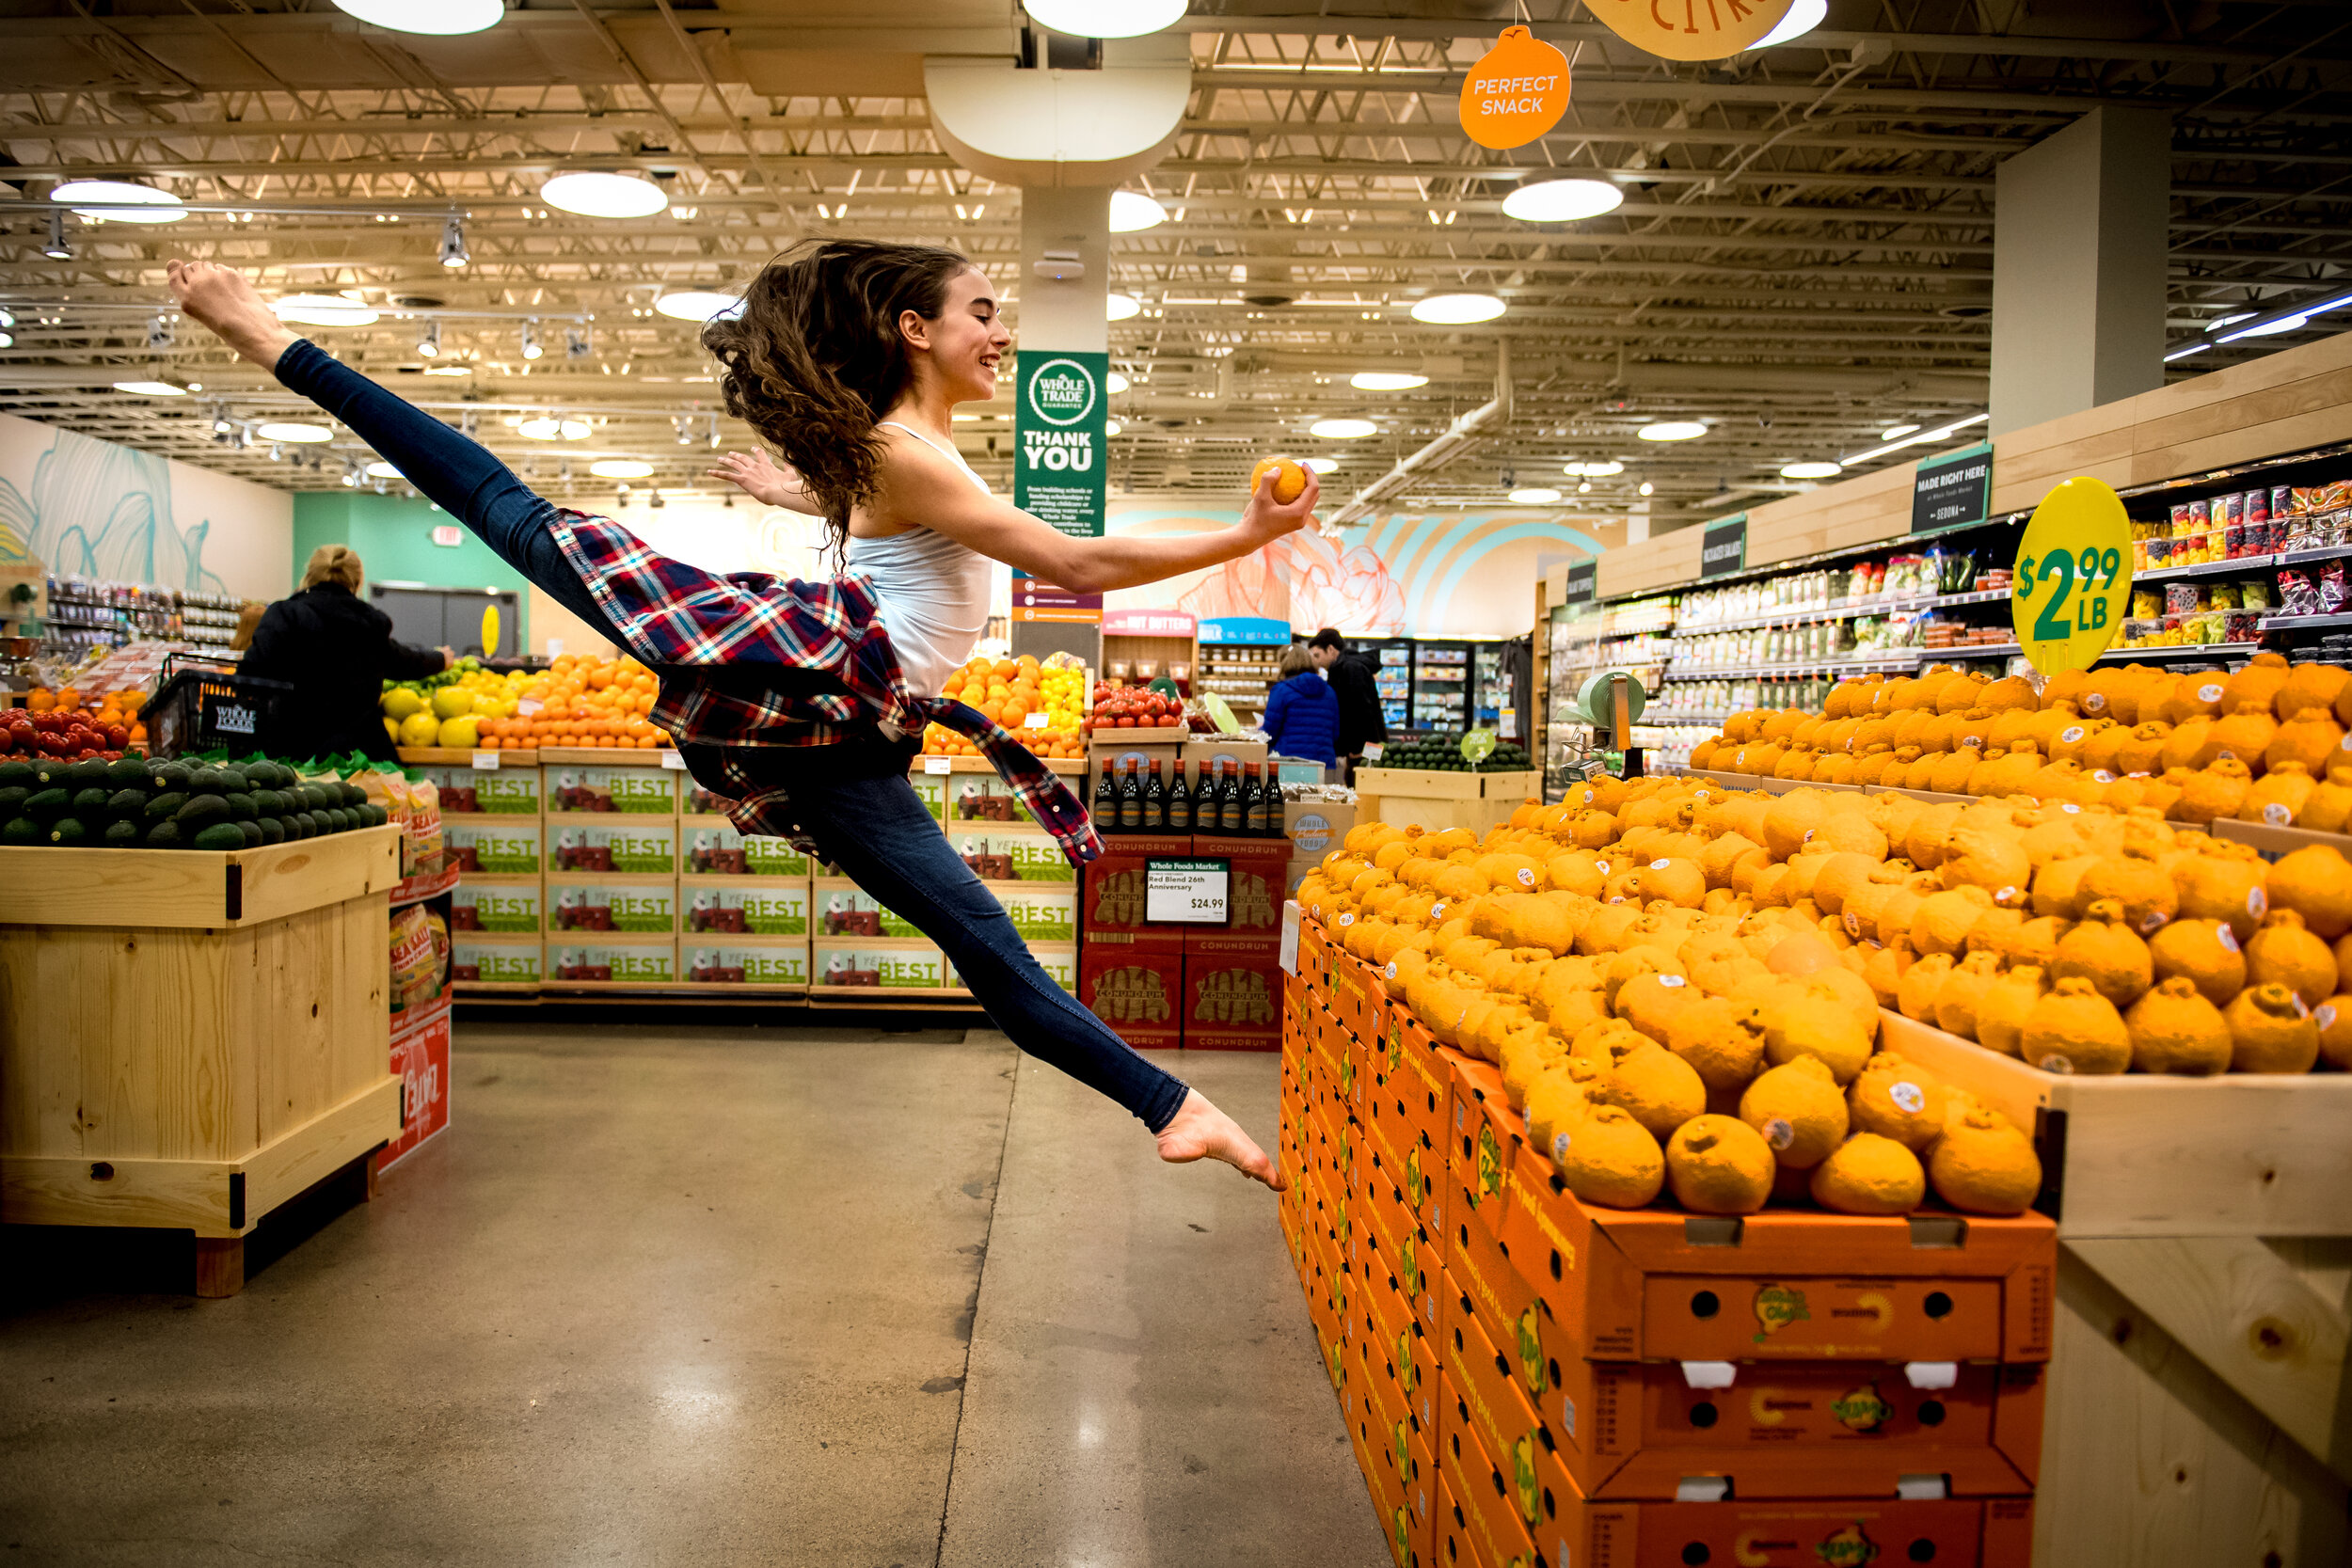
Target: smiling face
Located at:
point(959, 349)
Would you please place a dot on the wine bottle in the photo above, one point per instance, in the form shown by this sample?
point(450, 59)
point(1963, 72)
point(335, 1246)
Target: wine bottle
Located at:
point(1107, 799)
point(1230, 804)
point(1179, 804)
point(1258, 812)
point(1156, 801)
point(1130, 802)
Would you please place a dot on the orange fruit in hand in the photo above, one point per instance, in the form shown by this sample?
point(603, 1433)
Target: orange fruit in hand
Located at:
point(1290, 479)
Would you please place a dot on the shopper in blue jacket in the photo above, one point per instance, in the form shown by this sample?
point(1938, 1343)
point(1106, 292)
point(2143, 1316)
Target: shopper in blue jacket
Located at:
point(1302, 715)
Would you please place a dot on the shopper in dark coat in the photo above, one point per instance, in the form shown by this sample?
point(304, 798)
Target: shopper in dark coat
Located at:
point(1351, 676)
point(336, 651)
point(1302, 717)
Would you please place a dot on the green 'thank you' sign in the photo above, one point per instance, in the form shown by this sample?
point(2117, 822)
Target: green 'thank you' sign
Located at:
point(1061, 452)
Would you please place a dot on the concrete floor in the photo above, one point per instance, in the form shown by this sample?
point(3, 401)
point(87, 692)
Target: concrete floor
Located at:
point(695, 1296)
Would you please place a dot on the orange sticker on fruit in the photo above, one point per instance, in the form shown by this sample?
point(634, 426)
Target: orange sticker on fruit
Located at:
point(1691, 29)
point(1517, 93)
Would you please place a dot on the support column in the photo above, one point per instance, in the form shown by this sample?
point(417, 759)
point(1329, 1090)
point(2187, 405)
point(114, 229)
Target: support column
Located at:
point(2082, 234)
point(1061, 314)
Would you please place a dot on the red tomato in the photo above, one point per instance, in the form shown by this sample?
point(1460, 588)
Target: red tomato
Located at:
point(117, 736)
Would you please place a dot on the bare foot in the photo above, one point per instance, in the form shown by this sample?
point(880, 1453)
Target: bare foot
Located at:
point(220, 298)
point(1200, 1130)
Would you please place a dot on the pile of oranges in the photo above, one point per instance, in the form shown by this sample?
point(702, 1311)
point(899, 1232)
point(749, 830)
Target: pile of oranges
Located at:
point(592, 703)
point(1014, 692)
point(104, 710)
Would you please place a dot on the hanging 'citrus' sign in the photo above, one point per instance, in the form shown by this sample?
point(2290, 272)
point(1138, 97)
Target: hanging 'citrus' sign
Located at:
point(2074, 577)
point(1517, 93)
point(1690, 29)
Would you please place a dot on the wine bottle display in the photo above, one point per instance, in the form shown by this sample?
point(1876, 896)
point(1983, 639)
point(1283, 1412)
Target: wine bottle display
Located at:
point(1130, 802)
point(1156, 801)
point(1178, 804)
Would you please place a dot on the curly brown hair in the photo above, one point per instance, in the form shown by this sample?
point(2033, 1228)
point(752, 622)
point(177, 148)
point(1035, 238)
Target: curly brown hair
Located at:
point(814, 356)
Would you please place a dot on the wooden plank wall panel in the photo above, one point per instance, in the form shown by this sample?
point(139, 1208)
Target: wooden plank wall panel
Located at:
point(1667, 560)
point(1859, 512)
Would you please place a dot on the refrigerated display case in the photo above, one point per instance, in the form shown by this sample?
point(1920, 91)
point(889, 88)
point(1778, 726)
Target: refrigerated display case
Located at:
point(1394, 678)
point(1441, 680)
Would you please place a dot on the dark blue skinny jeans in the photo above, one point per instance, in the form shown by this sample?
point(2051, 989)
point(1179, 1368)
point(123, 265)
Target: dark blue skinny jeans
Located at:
point(853, 797)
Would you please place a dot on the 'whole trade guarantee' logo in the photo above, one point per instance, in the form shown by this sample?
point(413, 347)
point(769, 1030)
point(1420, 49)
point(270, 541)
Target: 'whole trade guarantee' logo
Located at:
point(1061, 392)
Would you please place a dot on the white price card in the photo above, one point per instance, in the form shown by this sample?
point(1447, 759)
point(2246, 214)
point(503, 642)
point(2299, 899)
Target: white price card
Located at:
point(1036, 721)
point(939, 764)
point(486, 760)
point(1373, 750)
point(1290, 936)
point(1187, 892)
point(673, 762)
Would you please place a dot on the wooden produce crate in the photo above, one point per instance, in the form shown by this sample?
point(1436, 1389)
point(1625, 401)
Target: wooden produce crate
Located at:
point(458, 757)
point(1782, 786)
point(2274, 842)
point(1438, 799)
point(188, 1040)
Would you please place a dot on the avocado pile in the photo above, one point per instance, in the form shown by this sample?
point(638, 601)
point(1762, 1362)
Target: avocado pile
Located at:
point(137, 804)
point(1442, 751)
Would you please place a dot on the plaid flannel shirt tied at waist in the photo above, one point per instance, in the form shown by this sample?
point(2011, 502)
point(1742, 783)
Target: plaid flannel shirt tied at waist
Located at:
point(695, 628)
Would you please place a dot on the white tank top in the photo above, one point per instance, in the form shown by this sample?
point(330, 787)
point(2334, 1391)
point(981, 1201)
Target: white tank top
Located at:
point(933, 590)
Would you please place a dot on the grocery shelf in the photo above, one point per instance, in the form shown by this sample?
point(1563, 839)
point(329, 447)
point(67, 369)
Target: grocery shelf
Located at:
point(2299, 622)
point(1836, 667)
point(2231, 567)
point(1971, 650)
point(2323, 553)
point(2184, 650)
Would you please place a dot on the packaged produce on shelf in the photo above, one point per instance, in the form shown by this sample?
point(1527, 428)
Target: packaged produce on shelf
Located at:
point(585, 702)
point(421, 956)
point(133, 803)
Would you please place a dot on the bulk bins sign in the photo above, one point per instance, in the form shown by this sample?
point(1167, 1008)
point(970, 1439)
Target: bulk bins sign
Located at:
point(1061, 452)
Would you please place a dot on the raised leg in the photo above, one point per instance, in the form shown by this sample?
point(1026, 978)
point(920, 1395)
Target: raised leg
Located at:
point(219, 1266)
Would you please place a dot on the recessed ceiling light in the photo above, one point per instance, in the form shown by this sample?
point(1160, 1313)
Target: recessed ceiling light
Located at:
point(1385, 381)
point(122, 201)
point(426, 16)
point(324, 310)
point(2265, 329)
point(1105, 19)
point(698, 305)
point(1133, 212)
point(293, 434)
point(1457, 309)
point(620, 468)
point(1811, 470)
point(1897, 432)
point(381, 469)
point(1324, 465)
point(449, 370)
point(1112, 427)
point(1116, 383)
point(604, 195)
point(1563, 200)
point(1801, 18)
point(1535, 496)
point(1118, 308)
point(1343, 430)
point(152, 388)
point(1648, 488)
point(1672, 429)
point(547, 428)
point(1602, 470)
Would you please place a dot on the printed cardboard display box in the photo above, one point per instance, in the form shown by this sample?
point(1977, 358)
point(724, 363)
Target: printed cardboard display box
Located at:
point(1112, 907)
point(494, 960)
point(644, 905)
point(1138, 993)
point(494, 846)
point(1059, 960)
point(486, 791)
point(871, 965)
point(631, 846)
point(1222, 751)
point(981, 798)
point(743, 906)
point(509, 906)
point(931, 789)
point(1233, 1002)
point(585, 959)
point(1040, 911)
point(839, 908)
point(744, 962)
point(1254, 895)
point(609, 790)
point(714, 849)
point(1011, 853)
point(1315, 828)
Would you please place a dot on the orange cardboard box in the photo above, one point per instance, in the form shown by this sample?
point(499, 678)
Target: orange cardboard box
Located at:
point(1476, 1504)
point(1406, 1349)
point(1410, 1104)
point(1484, 1139)
point(1404, 1473)
point(1314, 955)
point(1403, 1247)
point(1507, 1428)
point(1661, 1284)
point(1357, 1000)
point(1421, 1195)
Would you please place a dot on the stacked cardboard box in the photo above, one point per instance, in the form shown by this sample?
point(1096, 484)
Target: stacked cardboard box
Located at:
point(491, 820)
point(1205, 988)
point(1572, 1385)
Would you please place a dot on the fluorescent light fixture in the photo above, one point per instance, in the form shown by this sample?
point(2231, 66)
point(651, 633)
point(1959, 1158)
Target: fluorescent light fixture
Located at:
point(1385, 381)
point(2269, 328)
point(2219, 322)
point(698, 305)
point(1105, 19)
point(1112, 427)
point(1457, 309)
point(1801, 18)
point(1922, 438)
point(1811, 470)
point(1897, 432)
point(426, 16)
point(1116, 382)
point(1343, 430)
point(152, 388)
point(2194, 345)
point(1535, 496)
point(325, 310)
point(603, 195)
point(1672, 429)
point(123, 201)
point(381, 469)
point(620, 468)
point(547, 428)
point(1604, 469)
point(1561, 200)
point(1133, 212)
point(294, 435)
point(449, 370)
point(1322, 465)
point(1118, 308)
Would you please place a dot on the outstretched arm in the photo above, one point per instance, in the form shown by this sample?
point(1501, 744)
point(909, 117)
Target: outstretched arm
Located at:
point(765, 481)
point(920, 488)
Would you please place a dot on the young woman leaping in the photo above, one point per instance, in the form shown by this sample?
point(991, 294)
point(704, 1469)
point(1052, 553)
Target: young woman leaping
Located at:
point(801, 703)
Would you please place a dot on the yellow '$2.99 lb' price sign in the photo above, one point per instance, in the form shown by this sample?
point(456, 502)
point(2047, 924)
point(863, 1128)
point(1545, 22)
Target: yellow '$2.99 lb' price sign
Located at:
point(2074, 577)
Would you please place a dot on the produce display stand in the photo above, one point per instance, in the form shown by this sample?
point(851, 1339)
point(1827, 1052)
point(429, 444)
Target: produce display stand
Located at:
point(1438, 798)
point(2199, 1406)
point(188, 1040)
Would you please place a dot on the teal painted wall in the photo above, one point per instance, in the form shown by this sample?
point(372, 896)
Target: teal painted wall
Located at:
point(393, 535)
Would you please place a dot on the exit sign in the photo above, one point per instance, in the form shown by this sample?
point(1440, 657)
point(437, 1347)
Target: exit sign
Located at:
point(449, 535)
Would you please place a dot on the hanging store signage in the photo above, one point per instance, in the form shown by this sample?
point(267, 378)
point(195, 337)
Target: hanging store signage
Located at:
point(1691, 29)
point(1724, 548)
point(1584, 583)
point(1516, 92)
point(1035, 599)
point(1060, 446)
point(1259, 630)
point(2074, 577)
point(1952, 490)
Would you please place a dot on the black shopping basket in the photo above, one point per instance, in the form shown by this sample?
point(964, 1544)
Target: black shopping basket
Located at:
point(203, 703)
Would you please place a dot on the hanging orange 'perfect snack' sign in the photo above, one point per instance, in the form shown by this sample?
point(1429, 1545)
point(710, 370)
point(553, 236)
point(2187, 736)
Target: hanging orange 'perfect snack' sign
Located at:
point(1517, 93)
point(1690, 29)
